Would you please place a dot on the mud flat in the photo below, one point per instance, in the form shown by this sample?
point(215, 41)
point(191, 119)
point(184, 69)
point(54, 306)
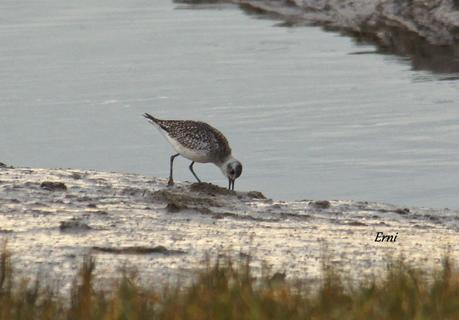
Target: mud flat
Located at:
point(53, 218)
point(425, 31)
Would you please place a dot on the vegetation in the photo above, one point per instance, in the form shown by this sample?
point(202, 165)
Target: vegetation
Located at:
point(228, 290)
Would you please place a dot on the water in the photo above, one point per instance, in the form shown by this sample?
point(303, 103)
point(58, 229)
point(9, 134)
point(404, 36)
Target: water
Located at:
point(307, 117)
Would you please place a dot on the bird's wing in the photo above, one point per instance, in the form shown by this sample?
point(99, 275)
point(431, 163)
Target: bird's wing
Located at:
point(198, 136)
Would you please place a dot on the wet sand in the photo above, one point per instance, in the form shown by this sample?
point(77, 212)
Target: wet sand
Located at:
point(53, 218)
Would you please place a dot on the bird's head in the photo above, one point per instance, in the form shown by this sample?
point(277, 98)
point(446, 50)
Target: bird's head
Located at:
point(232, 169)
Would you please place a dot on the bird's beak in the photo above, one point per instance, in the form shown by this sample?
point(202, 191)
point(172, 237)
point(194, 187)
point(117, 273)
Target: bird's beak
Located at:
point(230, 184)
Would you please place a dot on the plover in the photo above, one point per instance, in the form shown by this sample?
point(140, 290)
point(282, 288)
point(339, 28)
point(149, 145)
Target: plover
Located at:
point(198, 142)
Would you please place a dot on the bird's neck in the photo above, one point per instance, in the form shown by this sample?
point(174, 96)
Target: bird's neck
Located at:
point(224, 163)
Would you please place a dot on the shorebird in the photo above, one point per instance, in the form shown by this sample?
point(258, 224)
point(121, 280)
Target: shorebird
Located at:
point(198, 142)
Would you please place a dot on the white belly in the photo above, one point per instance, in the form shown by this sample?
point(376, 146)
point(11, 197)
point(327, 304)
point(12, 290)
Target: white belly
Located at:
point(193, 155)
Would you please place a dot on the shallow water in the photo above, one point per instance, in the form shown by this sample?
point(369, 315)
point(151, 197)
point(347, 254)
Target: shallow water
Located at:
point(307, 116)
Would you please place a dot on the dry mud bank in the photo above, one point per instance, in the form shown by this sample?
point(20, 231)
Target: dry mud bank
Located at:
point(425, 31)
point(53, 218)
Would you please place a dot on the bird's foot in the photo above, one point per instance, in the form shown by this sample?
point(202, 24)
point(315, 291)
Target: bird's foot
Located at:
point(170, 183)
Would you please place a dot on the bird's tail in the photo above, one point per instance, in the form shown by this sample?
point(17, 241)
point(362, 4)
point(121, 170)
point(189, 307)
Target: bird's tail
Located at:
point(152, 119)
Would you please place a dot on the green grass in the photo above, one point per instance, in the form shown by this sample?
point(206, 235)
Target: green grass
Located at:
point(227, 289)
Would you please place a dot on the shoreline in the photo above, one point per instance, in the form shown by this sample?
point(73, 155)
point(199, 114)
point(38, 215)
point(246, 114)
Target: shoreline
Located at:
point(52, 218)
point(425, 32)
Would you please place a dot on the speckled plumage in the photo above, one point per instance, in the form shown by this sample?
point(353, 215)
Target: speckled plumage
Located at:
point(197, 136)
point(198, 142)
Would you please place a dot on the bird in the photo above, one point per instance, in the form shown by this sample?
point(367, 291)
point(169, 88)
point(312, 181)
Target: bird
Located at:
point(198, 142)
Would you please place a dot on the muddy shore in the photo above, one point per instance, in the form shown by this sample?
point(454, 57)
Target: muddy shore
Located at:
point(425, 31)
point(52, 218)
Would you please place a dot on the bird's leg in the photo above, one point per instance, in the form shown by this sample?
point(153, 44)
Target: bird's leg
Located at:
point(192, 171)
point(230, 184)
point(171, 180)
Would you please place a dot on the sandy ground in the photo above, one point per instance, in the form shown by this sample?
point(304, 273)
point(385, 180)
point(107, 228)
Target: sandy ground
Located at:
point(53, 218)
point(435, 20)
